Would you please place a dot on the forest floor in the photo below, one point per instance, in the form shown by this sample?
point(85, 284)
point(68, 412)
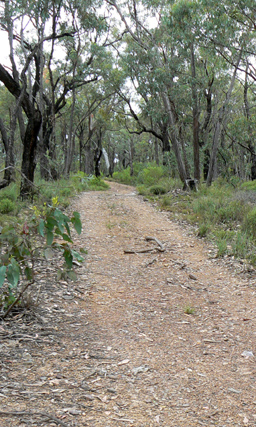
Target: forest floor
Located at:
point(159, 338)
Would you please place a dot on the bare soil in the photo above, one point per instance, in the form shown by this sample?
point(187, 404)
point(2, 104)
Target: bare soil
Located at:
point(159, 338)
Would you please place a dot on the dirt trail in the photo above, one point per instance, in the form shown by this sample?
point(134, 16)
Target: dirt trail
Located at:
point(117, 348)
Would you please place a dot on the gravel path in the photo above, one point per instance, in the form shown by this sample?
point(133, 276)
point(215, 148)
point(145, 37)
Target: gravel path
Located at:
point(149, 335)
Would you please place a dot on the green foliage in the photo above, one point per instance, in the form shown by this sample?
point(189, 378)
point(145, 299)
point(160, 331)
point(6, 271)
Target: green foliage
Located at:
point(64, 189)
point(242, 246)
point(223, 214)
point(45, 231)
point(222, 247)
point(10, 192)
point(7, 206)
point(157, 189)
point(216, 204)
point(151, 175)
point(97, 184)
point(8, 200)
point(124, 176)
point(83, 182)
point(249, 223)
point(249, 185)
point(147, 176)
point(203, 229)
point(189, 310)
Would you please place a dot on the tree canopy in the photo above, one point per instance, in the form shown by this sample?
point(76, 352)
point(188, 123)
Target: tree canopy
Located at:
point(92, 77)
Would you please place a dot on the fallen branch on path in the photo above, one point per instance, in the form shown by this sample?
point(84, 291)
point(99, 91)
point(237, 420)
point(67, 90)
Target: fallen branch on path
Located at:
point(141, 251)
point(148, 238)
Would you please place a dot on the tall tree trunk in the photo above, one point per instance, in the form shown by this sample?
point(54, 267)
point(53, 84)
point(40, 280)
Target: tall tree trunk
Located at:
point(29, 155)
point(156, 150)
point(132, 152)
point(71, 137)
point(218, 127)
point(174, 137)
point(9, 155)
point(195, 110)
point(248, 117)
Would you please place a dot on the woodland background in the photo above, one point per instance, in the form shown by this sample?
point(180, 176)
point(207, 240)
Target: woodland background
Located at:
point(139, 81)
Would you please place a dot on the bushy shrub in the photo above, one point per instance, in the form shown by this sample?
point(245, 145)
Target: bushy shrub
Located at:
point(80, 180)
point(142, 190)
point(97, 184)
point(7, 206)
point(124, 176)
point(10, 192)
point(249, 185)
point(151, 175)
point(157, 189)
point(249, 223)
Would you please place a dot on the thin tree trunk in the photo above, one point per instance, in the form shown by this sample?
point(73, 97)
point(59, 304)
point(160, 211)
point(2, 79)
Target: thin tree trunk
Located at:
point(195, 116)
point(71, 137)
point(248, 116)
point(174, 138)
point(221, 117)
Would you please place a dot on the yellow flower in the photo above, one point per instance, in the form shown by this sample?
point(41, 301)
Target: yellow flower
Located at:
point(36, 211)
point(55, 201)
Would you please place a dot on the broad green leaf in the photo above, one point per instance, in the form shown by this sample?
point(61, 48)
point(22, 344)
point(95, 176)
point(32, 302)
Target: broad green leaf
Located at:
point(49, 239)
point(67, 238)
point(28, 273)
point(51, 223)
point(77, 256)
point(41, 227)
point(68, 258)
point(67, 228)
point(2, 274)
point(13, 273)
point(76, 221)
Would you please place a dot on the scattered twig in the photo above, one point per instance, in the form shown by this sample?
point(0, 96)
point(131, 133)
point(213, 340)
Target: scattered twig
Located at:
point(142, 251)
point(29, 413)
point(138, 251)
point(151, 262)
point(17, 299)
point(148, 238)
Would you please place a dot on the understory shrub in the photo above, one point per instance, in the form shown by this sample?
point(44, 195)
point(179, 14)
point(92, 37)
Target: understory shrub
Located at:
point(10, 192)
point(157, 189)
point(26, 243)
point(124, 176)
point(151, 175)
point(7, 206)
point(249, 223)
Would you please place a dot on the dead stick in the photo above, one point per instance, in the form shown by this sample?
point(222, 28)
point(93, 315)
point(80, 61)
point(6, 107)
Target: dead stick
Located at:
point(157, 241)
point(139, 251)
point(16, 300)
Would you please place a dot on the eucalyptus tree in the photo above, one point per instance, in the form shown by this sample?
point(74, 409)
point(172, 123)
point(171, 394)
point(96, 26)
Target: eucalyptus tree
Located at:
point(24, 79)
point(181, 61)
point(63, 46)
point(147, 45)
